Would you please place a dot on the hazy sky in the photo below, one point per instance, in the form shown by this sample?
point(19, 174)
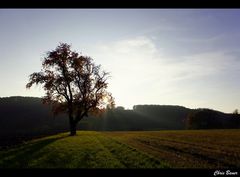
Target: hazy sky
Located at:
point(174, 57)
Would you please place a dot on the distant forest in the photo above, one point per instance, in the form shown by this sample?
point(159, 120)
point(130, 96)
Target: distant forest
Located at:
point(26, 117)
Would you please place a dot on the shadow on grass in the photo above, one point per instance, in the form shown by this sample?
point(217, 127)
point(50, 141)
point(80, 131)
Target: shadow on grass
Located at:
point(20, 157)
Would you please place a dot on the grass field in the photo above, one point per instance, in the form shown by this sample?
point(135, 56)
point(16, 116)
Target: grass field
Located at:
point(136, 149)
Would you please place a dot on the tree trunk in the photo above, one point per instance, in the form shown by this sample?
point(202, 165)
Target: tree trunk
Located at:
point(73, 126)
point(73, 129)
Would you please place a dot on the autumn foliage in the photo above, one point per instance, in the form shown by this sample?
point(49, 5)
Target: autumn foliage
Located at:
point(73, 84)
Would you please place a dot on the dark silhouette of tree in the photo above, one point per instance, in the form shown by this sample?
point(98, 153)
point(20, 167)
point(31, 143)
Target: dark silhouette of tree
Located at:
point(120, 108)
point(211, 119)
point(169, 116)
point(73, 84)
point(235, 111)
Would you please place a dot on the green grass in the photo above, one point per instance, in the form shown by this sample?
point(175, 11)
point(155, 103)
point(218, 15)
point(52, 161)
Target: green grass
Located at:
point(140, 149)
point(210, 149)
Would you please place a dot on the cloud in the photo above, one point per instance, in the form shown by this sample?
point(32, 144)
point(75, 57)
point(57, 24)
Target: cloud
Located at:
point(142, 74)
point(130, 58)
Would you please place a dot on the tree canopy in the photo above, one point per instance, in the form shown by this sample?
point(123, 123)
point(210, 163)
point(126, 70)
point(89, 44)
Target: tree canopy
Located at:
point(73, 84)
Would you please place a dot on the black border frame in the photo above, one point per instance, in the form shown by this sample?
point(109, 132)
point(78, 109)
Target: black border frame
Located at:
point(93, 4)
point(119, 4)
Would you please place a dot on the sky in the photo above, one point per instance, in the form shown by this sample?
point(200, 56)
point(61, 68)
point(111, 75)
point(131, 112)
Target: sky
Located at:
point(187, 57)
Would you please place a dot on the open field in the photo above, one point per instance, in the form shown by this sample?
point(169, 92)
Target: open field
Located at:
point(136, 149)
point(187, 149)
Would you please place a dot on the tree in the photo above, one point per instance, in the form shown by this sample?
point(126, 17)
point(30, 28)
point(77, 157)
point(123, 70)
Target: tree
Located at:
point(235, 111)
point(201, 119)
point(73, 84)
point(120, 108)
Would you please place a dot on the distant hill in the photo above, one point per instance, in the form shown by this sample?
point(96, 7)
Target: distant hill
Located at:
point(25, 117)
point(28, 117)
point(211, 119)
point(20, 115)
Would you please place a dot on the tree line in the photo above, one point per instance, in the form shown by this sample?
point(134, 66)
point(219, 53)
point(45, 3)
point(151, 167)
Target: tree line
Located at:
point(26, 117)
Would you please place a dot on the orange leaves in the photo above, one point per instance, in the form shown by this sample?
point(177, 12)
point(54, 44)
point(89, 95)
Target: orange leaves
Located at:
point(73, 83)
